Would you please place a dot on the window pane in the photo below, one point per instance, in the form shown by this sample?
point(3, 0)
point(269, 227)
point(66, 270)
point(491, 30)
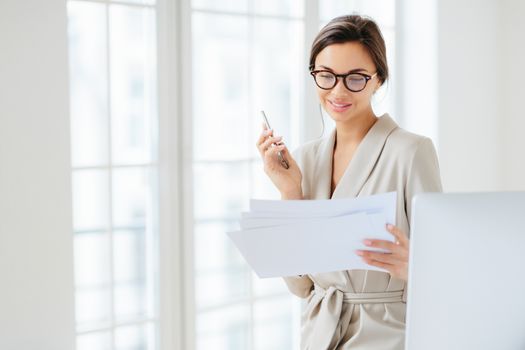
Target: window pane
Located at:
point(133, 69)
point(221, 190)
point(279, 7)
point(221, 273)
point(91, 259)
point(139, 337)
point(130, 301)
point(93, 307)
point(273, 323)
point(268, 286)
point(133, 288)
point(262, 187)
point(88, 83)
point(220, 88)
point(222, 286)
point(329, 9)
point(223, 5)
point(224, 329)
point(92, 279)
point(133, 244)
point(99, 341)
point(90, 200)
point(129, 255)
point(213, 248)
point(382, 11)
point(278, 72)
point(144, 2)
point(132, 204)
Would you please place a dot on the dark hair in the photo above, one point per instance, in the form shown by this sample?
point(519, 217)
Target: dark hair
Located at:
point(353, 28)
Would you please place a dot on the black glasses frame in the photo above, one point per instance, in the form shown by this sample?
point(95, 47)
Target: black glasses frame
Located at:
point(343, 77)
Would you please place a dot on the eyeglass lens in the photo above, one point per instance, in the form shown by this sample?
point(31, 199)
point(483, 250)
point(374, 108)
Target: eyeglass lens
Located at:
point(328, 80)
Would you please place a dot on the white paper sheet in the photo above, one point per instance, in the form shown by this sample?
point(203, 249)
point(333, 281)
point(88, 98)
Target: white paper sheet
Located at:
point(286, 238)
point(384, 201)
point(251, 222)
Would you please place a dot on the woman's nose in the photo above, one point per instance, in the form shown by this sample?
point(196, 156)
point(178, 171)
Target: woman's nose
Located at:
point(339, 89)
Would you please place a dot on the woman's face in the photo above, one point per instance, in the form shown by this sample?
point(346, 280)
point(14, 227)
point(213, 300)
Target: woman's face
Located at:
point(342, 104)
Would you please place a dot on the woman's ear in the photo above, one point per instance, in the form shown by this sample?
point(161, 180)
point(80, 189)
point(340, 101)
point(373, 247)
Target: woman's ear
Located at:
point(379, 84)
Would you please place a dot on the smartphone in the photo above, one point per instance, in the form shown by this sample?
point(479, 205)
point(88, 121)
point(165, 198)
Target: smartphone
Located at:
point(283, 161)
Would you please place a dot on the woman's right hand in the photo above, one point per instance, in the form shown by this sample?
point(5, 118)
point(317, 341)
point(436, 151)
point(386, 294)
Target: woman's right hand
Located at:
point(287, 181)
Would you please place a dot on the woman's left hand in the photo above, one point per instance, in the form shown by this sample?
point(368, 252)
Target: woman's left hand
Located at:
point(396, 260)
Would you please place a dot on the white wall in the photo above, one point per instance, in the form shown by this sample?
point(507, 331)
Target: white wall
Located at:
point(513, 91)
point(464, 85)
point(36, 273)
point(470, 110)
point(480, 124)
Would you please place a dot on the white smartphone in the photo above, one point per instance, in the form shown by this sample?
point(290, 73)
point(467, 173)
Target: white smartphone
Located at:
point(283, 161)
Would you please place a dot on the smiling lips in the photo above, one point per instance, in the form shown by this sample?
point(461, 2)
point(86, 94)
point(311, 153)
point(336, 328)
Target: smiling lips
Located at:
point(339, 106)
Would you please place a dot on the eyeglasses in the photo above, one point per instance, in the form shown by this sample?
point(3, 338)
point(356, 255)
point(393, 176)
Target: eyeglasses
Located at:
point(354, 82)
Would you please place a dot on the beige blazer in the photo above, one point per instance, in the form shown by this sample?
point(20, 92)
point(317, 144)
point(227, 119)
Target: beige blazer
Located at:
point(360, 309)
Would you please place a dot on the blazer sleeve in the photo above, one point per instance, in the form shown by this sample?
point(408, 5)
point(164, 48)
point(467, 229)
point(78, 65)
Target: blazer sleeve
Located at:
point(299, 285)
point(423, 176)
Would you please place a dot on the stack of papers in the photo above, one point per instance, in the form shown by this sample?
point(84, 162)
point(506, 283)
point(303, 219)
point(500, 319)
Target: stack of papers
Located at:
point(295, 237)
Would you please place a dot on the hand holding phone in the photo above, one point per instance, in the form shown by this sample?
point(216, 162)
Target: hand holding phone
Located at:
point(283, 161)
point(284, 173)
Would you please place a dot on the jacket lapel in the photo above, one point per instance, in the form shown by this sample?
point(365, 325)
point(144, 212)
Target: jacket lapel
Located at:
point(323, 168)
point(363, 161)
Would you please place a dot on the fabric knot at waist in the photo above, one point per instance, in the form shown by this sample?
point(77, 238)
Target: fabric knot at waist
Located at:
point(331, 324)
point(362, 298)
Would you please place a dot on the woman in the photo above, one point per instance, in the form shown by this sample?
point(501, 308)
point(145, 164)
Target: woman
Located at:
point(364, 155)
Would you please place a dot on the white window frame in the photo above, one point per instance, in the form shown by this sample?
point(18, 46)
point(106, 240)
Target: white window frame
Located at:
point(176, 310)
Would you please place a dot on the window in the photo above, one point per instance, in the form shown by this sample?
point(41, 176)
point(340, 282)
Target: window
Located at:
point(114, 157)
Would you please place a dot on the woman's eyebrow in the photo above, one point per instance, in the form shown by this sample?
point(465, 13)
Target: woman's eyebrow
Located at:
point(357, 70)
